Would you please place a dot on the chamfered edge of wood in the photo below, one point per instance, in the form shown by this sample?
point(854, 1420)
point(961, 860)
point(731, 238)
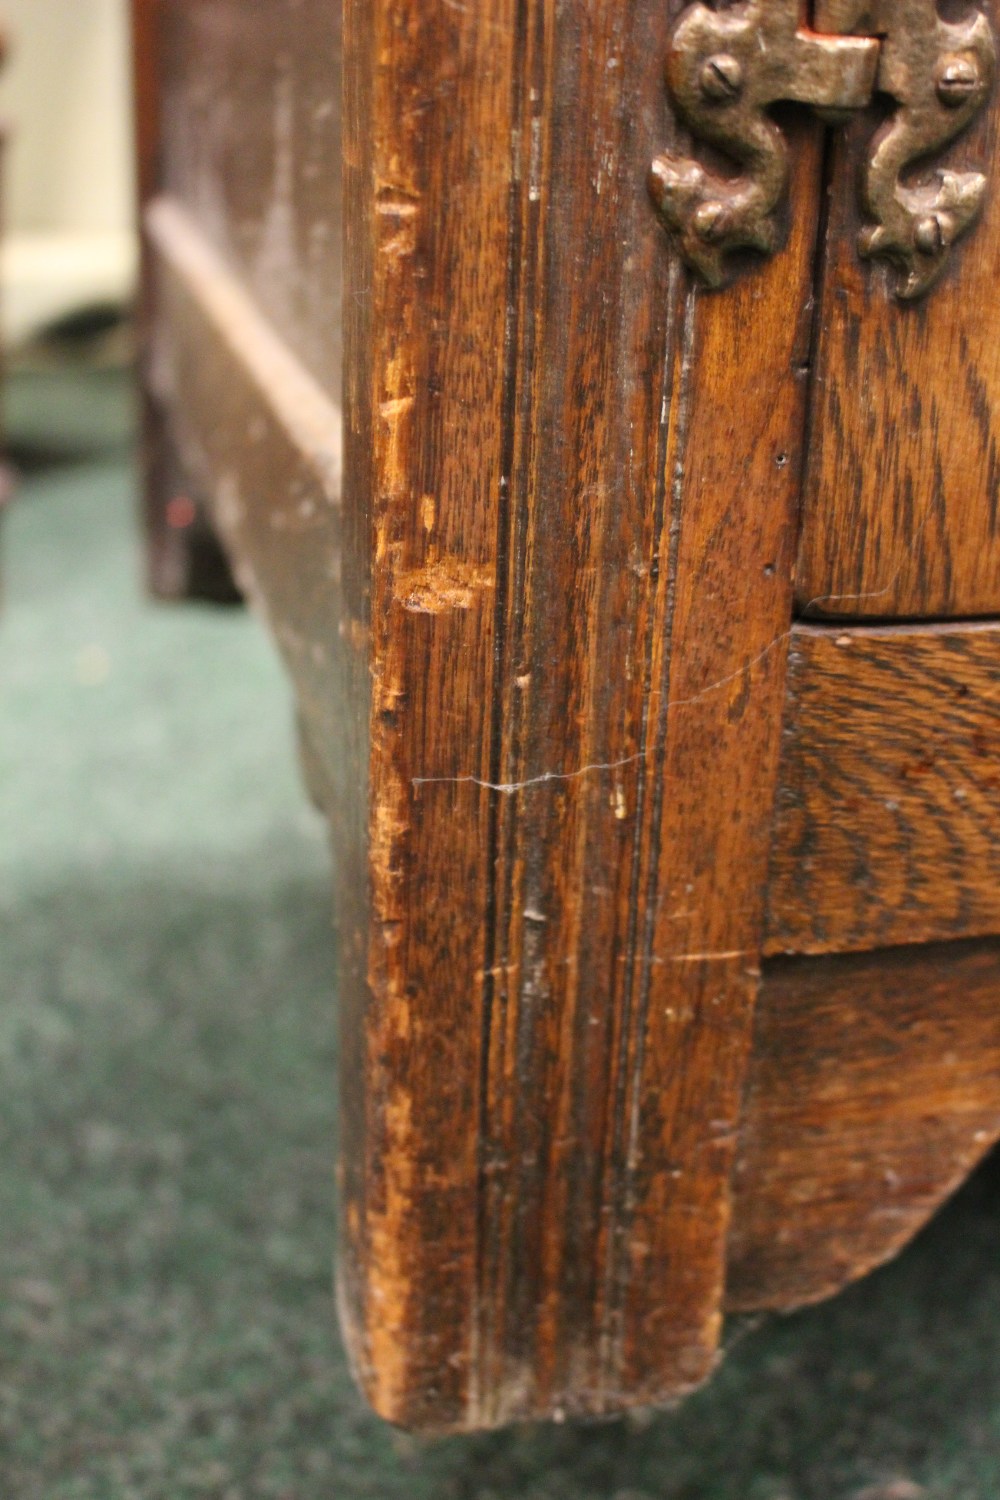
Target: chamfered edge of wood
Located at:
point(874, 1089)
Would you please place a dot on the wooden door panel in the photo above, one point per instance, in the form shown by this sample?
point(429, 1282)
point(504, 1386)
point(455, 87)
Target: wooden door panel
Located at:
point(873, 1091)
point(887, 820)
point(901, 512)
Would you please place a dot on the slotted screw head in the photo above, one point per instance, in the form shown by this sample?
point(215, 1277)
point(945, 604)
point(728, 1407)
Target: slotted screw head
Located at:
point(722, 78)
point(957, 81)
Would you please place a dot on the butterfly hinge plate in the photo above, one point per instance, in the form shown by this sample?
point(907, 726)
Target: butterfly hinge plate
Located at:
point(726, 68)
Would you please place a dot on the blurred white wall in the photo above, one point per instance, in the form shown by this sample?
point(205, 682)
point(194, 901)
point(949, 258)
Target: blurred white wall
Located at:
point(67, 209)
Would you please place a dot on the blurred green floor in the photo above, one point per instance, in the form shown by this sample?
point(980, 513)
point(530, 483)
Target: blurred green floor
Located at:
point(167, 1104)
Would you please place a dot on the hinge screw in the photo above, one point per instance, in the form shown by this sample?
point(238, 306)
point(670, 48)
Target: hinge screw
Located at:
point(722, 78)
point(957, 81)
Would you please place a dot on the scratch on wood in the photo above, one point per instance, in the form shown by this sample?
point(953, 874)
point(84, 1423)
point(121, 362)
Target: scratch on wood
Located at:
point(510, 788)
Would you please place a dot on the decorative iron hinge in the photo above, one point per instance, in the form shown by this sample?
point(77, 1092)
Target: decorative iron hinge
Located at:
point(727, 67)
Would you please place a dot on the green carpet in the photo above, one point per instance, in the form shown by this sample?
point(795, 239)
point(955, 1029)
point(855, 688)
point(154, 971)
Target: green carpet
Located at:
point(167, 1031)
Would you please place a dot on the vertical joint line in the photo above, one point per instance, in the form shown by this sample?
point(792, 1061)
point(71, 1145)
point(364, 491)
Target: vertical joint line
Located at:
point(620, 1144)
point(482, 1336)
point(818, 282)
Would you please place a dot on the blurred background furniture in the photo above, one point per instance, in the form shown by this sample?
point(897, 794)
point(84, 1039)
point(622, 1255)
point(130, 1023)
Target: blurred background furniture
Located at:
point(70, 237)
point(184, 558)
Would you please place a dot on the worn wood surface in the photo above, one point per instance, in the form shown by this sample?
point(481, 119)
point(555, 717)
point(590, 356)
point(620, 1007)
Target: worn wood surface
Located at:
point(887, 826)
point(874, 1090)
point(578, 628)
point(539, 641)
point(428, 197)
point(901, 512)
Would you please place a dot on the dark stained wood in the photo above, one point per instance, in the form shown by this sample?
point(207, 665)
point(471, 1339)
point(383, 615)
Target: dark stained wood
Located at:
point(578, 627)
point(711, 718)
point(352, 805)
point(428, 145)
point(887, 824)
point(874, 1090)
point(258, 433)
point(902, 500)
point(167, 548)
point(539, 637)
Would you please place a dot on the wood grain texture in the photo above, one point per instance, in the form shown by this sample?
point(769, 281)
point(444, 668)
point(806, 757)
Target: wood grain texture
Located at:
point(539, 641)
point(902, 501)
point(873, 1091)
point(428, 149)
point(584, 479)
point(887, 825)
